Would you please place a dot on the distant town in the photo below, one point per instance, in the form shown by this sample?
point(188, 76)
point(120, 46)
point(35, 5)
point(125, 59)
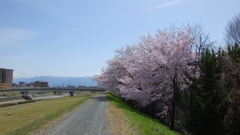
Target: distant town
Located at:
point(6, 82)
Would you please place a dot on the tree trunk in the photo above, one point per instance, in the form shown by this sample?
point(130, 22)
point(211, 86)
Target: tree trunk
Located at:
point(175, 94)
point(173, 114)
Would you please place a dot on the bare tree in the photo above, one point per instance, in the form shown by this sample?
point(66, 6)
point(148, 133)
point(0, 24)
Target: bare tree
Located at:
point(232, 34)
point(230, 93)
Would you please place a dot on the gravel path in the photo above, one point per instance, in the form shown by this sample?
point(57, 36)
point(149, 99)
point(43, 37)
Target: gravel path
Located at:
point(89, 119)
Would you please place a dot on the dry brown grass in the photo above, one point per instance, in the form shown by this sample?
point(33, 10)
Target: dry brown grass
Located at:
point(24, 114)
point(119, 124)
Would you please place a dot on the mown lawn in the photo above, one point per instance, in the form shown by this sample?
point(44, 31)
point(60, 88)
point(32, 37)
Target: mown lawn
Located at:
point(140, 123)
point(28, 117)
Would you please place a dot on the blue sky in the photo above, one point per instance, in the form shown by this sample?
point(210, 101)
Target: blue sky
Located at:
point(77, 37)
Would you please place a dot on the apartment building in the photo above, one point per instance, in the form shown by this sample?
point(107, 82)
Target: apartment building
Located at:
point(6, 76)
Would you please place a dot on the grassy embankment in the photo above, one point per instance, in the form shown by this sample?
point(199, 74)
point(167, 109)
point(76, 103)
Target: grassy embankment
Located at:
point(22, 119)
point(18, 94)
point(126, 120)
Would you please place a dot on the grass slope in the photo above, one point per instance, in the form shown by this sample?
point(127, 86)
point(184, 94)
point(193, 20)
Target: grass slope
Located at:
point(140, 123)
point(29, 117)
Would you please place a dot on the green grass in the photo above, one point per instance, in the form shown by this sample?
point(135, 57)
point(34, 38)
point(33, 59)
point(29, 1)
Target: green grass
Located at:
point(143, 123)
point(29, 117)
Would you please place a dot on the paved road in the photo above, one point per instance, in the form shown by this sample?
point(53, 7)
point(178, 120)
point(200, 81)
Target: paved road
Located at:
point(89, 119)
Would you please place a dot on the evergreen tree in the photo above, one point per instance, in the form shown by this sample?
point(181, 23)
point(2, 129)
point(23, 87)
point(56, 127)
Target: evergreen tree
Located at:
point(203, 100)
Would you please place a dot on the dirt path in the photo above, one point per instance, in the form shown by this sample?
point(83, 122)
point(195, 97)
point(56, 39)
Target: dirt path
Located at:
point(89, 119)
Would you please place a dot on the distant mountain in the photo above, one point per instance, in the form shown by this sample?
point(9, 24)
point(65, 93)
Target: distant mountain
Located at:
point(59, 81)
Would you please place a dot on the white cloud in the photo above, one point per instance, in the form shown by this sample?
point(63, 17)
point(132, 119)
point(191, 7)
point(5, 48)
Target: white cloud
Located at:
point(91, 74)
point(24, 74)
point(10, 36)
point(78, 74)
point(164, 5)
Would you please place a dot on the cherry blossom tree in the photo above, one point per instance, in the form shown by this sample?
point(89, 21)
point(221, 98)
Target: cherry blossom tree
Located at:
point(152, 70)
point(114, 71)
